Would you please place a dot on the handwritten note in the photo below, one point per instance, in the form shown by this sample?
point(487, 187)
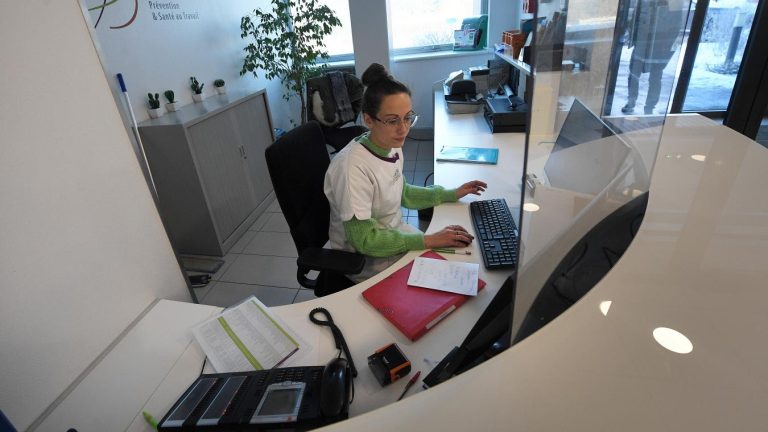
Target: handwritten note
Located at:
point(450, 276)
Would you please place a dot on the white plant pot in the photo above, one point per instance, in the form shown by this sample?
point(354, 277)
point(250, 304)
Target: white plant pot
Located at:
point(221, 90)
point(197, 97)
point(155, 112)
point(170, 107)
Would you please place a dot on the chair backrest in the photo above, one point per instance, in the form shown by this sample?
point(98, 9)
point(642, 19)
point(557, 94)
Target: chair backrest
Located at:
point(297, 163)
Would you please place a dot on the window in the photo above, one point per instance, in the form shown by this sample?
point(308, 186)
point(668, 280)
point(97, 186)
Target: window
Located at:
point(428, 25)
point(339, 43)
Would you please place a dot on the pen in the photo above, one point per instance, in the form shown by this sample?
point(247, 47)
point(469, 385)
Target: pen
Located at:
point(410, 384)
point(151, 420)
point(452, 251)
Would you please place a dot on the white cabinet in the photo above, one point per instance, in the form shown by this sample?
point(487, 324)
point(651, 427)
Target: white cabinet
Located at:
point(207, 161)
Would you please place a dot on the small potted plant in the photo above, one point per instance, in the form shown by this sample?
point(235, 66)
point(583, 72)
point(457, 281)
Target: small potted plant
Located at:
point(219, 86)
point(154, 105)
point(171, 98)
point(197, 89)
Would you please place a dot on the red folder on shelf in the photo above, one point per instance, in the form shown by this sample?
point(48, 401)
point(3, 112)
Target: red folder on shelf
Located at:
point(413, 310)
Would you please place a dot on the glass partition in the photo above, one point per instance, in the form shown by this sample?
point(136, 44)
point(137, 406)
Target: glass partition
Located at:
point(586, 159)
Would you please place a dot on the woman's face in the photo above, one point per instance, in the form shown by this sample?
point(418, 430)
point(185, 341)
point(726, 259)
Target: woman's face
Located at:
point(393, 107)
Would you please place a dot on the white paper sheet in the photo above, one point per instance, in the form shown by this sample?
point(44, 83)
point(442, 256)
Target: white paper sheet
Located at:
point(246, 337)
point(443, 275)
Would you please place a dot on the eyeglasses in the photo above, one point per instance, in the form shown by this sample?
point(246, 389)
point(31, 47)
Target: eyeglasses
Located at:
point(408, 121)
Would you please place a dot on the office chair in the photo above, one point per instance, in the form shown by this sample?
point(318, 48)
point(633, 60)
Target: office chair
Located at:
point(334, 100)
point(297, 163)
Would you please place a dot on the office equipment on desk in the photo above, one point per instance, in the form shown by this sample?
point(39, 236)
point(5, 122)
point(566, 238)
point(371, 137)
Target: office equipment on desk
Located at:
point(479, 74)
point(412, 310)
point(461, 96)
point(410, 384)
point(389, 364)
point(296, 398)
point(505, 113)
point(498, 73)
point(480, 155)
point(5, 424)
point(149, 419)
point(338, 337)
point(449, 276)
point(452, 251)
point(496, 233)
point(246, 337)
point(490, 335)
point(587, 154)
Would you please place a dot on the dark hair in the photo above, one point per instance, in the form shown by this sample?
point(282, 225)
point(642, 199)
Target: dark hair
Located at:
point(378, 84)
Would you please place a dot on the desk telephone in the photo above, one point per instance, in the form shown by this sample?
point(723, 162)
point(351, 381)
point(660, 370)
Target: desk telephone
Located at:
point(286, 399)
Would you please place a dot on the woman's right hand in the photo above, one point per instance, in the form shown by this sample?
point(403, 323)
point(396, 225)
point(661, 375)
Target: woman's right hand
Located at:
point(450, 236)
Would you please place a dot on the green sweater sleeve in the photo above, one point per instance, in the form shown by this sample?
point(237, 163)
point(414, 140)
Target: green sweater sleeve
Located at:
point(417, 197)
point(370, 240)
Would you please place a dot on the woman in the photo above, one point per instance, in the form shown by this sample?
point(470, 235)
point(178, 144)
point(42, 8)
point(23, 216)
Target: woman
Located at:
point(366, 189)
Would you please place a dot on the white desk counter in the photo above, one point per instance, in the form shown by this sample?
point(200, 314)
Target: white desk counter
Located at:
point(697, 265)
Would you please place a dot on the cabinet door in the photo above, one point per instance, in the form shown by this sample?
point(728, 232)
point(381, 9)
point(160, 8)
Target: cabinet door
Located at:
point(219, 160)
point(256, 134)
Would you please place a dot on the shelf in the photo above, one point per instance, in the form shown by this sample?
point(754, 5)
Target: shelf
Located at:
point(523, 67)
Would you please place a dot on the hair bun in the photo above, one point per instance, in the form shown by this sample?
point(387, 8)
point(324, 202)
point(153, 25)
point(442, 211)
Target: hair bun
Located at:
point(375, 73)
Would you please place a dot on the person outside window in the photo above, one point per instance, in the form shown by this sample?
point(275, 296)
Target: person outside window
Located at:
point(653, 33)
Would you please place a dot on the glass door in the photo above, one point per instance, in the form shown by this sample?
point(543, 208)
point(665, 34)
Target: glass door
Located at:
point(716, 36)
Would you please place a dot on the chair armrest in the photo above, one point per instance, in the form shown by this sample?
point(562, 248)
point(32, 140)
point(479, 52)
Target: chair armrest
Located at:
point(331, 260)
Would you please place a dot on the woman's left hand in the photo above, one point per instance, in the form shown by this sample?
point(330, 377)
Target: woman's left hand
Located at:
point(473, 187)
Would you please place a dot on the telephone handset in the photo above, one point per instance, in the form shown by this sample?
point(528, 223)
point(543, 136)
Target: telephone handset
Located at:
point(335, 388)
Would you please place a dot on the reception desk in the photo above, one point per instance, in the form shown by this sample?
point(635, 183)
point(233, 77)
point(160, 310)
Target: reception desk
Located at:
point(697, 265)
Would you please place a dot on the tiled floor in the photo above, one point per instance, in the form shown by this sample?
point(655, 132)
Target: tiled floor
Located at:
point(263, 261)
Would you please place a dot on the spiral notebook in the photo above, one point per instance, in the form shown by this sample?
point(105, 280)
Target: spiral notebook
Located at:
point(482, 155)
point(413, 310)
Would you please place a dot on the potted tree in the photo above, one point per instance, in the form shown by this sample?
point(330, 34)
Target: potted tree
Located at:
point(197, 89)
point(154, 105)
point(219, 86)
point(171, 98)
point(286, 43)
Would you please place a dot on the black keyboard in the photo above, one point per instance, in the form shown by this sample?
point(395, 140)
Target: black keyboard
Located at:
point(496, 233)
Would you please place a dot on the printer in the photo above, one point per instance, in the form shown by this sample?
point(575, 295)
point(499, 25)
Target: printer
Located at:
point(461, 95)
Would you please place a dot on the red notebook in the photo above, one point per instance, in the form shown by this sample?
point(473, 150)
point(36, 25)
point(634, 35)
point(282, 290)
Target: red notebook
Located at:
point(413, 310)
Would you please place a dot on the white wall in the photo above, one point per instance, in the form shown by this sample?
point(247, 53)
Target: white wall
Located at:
point(370, 33)
point(82, 249)
point(155, 54)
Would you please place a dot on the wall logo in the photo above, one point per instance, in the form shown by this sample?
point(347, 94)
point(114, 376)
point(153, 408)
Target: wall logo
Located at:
point(106, 3)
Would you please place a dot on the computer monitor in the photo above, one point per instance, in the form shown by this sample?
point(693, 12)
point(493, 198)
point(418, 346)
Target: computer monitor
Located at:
point(587, 154)
point(490, 335)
